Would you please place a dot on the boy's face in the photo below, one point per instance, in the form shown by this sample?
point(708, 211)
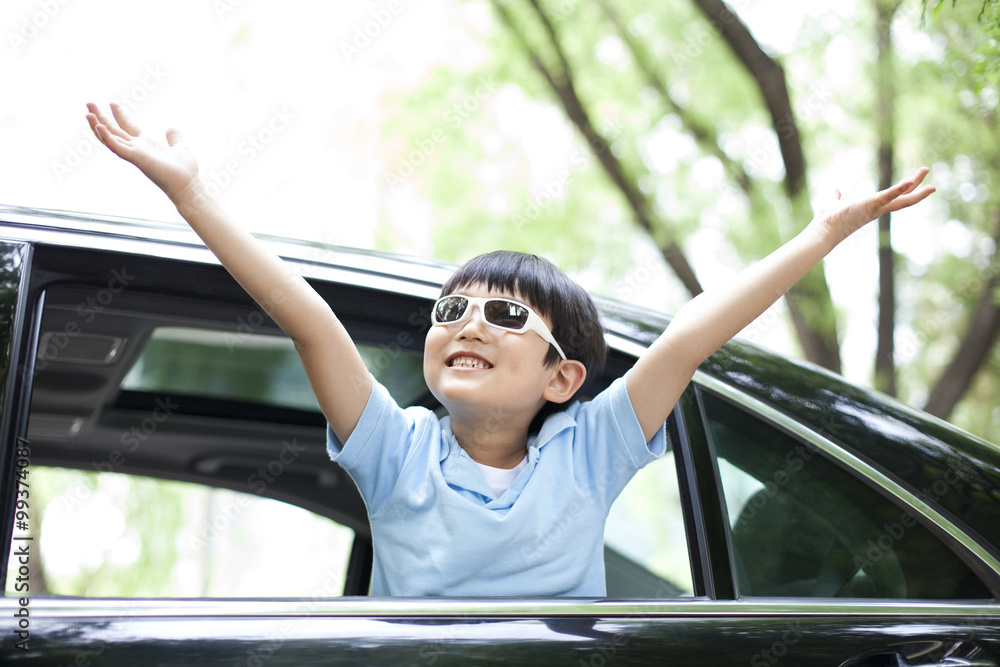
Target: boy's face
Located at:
point(478, 371)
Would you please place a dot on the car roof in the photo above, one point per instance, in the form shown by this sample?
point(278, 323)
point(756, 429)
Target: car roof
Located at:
point(936, 459)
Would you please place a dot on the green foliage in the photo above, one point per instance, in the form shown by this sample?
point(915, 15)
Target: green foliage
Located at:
point(949, 108)
point(509, 169)
point(118, 531)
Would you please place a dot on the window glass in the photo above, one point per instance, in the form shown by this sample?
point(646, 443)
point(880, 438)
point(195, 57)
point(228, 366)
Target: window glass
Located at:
point(254, 367)
point(803, 526)
point(116, 535)
point(646, 551)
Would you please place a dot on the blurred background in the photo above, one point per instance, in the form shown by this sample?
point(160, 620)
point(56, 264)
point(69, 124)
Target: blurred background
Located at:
point(650, 149)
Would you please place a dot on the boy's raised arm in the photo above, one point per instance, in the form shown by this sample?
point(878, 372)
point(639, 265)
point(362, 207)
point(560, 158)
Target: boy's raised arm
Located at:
point(706, 322)
point(336, 371)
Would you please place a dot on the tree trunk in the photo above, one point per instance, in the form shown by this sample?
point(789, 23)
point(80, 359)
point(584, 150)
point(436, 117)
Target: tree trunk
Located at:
point(809, 301)
point(703, 134)
point(560, 80)
point(975, 345)
point(885, 366)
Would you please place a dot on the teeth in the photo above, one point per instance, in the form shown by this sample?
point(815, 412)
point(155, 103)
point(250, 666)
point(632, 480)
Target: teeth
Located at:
point(468, 362)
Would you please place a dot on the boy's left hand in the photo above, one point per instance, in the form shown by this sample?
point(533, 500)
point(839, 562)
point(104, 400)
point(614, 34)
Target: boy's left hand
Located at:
point(842, 219)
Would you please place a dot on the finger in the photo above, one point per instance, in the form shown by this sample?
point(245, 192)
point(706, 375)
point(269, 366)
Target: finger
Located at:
point(918, 178)
point(93, 122)
point(116, 144)
point(912, 184)
point(913, 197)
point(907, 200)
point(124, 121)
point(915, 181)
point(892, 193)
point(101, 131)
point(174, 137)
point(109, 123)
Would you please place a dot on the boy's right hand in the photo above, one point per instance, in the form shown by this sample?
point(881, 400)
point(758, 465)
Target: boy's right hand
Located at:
point(171, 167)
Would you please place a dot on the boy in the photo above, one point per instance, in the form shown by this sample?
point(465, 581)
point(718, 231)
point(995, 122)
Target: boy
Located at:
point(491, 500)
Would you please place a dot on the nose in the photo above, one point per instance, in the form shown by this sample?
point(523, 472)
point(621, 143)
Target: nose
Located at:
point(474, 325)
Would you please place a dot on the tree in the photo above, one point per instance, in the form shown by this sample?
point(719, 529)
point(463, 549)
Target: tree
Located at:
point(885, 363)
point(695, 131)
point(809, 301)
point(965, 123)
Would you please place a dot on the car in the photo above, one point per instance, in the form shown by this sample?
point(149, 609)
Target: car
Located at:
point(152, 415)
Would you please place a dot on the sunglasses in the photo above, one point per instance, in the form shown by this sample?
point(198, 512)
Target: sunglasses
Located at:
point(503, 314)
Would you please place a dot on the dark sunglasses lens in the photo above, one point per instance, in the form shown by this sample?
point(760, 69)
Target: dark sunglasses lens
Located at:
point(506, 314)
point(450, 309)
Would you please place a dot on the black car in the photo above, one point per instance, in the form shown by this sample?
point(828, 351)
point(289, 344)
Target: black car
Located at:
point(149, 407)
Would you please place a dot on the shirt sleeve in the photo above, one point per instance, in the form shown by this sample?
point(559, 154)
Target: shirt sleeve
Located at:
point(610, 448)
point(380, 445)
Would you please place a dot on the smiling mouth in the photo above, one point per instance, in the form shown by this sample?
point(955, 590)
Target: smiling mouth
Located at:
point(468, 362)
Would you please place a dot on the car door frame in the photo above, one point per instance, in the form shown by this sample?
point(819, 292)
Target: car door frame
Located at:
point(16, 359)
point(715, 606)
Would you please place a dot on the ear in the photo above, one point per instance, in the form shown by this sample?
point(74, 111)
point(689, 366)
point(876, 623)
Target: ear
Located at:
point(567, 378)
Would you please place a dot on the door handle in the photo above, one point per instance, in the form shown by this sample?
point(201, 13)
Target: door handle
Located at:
point(927, 653)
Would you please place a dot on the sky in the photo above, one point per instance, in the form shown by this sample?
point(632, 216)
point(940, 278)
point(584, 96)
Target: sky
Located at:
point(279, 101)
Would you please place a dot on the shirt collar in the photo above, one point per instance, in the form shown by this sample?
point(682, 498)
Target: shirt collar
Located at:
point(461, 472)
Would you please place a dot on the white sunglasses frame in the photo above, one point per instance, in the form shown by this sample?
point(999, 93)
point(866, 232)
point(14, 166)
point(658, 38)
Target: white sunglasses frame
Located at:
point(533, 323)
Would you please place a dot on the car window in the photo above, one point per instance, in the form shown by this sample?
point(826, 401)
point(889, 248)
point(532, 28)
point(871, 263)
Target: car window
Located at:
point(802, 526)
point(647, 551)
point(244, 365)
point(104, 534)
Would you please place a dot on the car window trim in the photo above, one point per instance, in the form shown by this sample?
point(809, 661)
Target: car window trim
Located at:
point(20, 362)
point(143, 238)
point(55, 608)
point(711, 532)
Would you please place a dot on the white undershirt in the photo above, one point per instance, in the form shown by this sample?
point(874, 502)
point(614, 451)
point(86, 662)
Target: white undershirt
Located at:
point(500, 479)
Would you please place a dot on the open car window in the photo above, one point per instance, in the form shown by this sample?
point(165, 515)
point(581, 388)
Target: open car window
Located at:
point(646, 551)
point(114, 535)
point(221, 401)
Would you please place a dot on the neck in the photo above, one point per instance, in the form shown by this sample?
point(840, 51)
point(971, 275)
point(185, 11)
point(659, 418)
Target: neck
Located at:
point(494, 443)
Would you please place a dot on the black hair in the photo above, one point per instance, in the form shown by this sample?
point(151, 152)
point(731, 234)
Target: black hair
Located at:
point(576, 324)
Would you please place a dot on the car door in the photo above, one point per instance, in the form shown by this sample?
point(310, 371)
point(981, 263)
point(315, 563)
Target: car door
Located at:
point(798, 526)
point(710, 620)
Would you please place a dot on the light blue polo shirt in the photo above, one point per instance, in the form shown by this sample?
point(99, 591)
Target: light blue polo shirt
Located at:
point(437, 528)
